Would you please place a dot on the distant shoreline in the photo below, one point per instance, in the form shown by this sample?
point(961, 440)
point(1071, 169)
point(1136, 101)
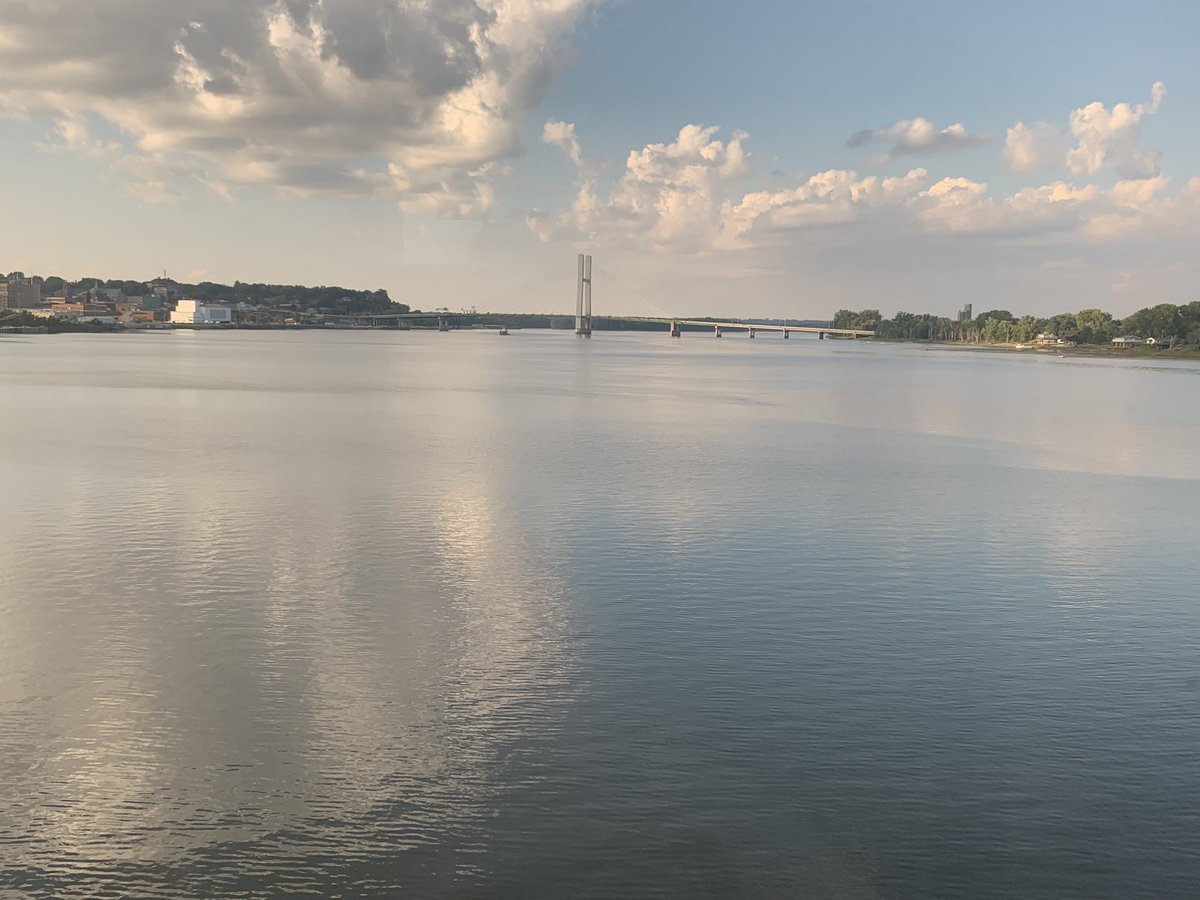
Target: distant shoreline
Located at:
point(1093, 351)
point(1096, 351)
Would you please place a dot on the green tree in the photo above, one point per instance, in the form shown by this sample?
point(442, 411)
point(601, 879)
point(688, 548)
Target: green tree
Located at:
point(1160, 322)
point(865, 320)
point(1095, 326)
point(1027, 328)
point(1002, 315)
point(1062, 324)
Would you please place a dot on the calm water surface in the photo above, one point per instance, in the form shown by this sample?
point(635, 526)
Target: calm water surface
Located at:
point(369, 612)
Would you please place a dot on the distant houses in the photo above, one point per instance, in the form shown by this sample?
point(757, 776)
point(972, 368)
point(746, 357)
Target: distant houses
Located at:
point(159, 305)
point(1047, 339)
point(1132, 340)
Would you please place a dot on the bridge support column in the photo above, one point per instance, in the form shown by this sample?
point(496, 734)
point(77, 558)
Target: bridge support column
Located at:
point(820, 335)
point(675, 331)
point(751, 330)
point(716, 331)
point(583, 299)
point(786, 334)
point(443, 325)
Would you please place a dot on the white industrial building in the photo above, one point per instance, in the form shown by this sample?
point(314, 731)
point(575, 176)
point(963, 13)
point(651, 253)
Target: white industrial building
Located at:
point(193, 312)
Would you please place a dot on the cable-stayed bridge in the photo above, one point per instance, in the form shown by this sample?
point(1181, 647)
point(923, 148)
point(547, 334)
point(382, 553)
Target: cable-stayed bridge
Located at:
point(585, 320)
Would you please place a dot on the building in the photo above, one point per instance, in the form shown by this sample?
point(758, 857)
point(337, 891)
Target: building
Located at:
point(1127, 340)
point(964, 314)
point(193, 312)
point(133, 314)
point(20, 294)
point(81, 312)
point(164, 288)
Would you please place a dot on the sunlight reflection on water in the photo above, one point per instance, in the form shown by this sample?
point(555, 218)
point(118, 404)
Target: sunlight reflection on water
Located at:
point(385, 611)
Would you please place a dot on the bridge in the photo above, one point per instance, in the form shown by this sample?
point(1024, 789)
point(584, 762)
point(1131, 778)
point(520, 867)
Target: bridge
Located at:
point(754, 327)
point(584, 317)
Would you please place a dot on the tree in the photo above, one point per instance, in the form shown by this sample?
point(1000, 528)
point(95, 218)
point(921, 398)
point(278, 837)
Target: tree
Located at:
point(1002, 315)
point(998, 330)
point(1189, 325)
point(866, 320)
point(1095, 326)
point(1061, 324)
point(1027, 328)
point(1162, 322)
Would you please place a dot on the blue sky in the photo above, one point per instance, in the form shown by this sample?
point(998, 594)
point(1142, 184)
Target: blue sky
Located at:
point(1035, 157)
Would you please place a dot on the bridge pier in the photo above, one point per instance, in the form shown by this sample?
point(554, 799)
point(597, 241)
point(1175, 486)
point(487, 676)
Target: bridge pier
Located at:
point(751, 330)
point(583, 298)
point(716, 330)
point(820, 335)
point(675, 330)
point(443, 325)
point(786, 334)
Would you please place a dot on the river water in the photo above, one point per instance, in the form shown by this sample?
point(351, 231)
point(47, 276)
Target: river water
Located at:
point(386, 612)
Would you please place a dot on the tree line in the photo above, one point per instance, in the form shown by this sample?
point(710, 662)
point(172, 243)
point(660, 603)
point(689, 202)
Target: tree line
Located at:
point(291, 296)
point(1164, 322)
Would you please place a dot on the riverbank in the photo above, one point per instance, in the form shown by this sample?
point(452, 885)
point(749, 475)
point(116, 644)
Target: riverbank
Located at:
point(1099, 351)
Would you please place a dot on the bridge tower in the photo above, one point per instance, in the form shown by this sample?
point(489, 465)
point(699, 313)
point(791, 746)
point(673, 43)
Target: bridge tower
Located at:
point(583, 298)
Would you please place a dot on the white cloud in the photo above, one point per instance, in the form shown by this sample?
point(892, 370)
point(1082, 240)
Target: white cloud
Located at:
point(958, 205)
point(392, 97)
point(1099, 140)
point(912, 136)
point(681, 198)
point(1108, 138)
point(562, 135)
point(1031, 148)
point(669, 195)
point(835, 197)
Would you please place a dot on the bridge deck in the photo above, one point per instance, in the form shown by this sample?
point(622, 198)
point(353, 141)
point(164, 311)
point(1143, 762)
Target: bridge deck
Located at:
point(703, 323)
point(745, 326)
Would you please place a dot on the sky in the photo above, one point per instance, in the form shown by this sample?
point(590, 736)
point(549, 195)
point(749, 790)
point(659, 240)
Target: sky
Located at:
point(758, 158)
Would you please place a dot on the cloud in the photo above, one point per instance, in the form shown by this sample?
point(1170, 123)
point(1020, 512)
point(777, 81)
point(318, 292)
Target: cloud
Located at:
point(1057, 211)
point(681, 198)
point(372, 97)
point(835, 197)
point(669, 194)
point(959, 205)
point(1108, 138)
point(1099, 140)
point(143, 175)
point(1031, 148)
point(562, 135)
point(912, 136)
